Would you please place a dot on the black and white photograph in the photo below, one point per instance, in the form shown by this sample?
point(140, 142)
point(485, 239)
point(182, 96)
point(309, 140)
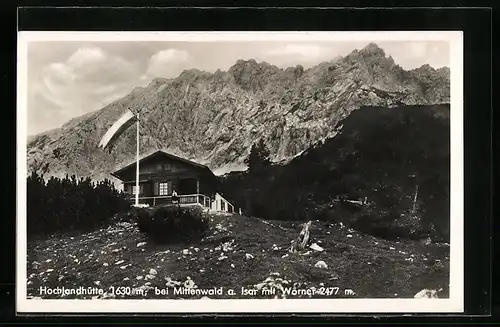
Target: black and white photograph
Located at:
point(240, 171)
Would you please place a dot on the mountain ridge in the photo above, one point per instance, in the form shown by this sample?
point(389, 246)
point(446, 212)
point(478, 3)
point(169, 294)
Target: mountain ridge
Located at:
point(214, 118)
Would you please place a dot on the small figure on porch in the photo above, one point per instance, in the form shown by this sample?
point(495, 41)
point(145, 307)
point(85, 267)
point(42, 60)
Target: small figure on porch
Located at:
point(175, 197)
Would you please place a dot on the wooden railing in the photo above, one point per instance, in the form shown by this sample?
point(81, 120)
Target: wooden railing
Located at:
point(185, 199)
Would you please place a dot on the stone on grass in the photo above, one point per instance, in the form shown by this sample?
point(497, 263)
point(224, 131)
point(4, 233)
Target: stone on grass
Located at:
point(316, 247)
point(426, 294)
point(321, 264)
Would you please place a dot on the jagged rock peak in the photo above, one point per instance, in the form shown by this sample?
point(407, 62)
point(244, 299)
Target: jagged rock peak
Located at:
point(138, 89)
point(193, 73)
point(372, 49)
point(158, 81)
point(426, 67)
point(251, 65)
point(241, 62)
point(297, 71)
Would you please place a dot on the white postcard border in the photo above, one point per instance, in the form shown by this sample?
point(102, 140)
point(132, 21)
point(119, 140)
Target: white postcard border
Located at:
point(453, 304)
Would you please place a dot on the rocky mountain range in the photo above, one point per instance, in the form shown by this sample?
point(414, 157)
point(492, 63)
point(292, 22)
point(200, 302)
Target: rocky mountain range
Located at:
point(214, 118)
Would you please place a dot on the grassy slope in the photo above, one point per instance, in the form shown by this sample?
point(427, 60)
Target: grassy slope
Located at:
point(371, 267)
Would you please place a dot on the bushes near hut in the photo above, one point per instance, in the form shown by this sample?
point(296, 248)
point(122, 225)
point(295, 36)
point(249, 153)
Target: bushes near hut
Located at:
point(170, 224)
point(70, 204)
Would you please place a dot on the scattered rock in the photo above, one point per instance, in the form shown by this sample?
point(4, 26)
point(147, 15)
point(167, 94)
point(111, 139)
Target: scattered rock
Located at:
point(171, 283)
point(125, 279)
point(275, 248)
point(316, 247)
point(391, 248)
point(189, 283)
point(426, 294)
point(139, 277)
point(248, 256)
point(149, 277)
point(97, 282)
point(152, 271)
point(321, 264)
point(119, 262)
point(48, 260)
point(185, 252)
point(105, 264)
point(349, 235)
point(232, 266)
point(284, 256)
point(49, 270)
point(222, 258)
point(141, 244)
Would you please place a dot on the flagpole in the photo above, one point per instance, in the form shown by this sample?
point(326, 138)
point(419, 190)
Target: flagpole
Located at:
point(137, 166)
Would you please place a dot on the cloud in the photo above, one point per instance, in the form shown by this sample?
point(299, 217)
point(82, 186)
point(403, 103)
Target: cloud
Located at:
point(417, 49)
point(167, 63)
point(88, 79)
point(414, 54)
point(304, 53)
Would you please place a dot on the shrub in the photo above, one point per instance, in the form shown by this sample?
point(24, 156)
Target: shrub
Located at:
point(170, 224)
point(70, 204)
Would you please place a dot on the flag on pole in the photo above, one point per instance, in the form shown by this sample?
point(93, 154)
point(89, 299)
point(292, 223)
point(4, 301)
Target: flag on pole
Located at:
point(114, 132)
point(124, 122)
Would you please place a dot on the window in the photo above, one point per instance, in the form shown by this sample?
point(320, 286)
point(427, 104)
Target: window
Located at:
point(167, 167)
point(158, 167)
point(164, 188)
point(223, 205)
point(134, 189)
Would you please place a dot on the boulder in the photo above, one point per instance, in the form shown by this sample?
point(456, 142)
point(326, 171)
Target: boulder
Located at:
point(321, 264)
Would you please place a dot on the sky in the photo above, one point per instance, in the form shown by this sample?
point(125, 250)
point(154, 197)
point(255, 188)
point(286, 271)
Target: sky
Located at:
point(67, 79)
